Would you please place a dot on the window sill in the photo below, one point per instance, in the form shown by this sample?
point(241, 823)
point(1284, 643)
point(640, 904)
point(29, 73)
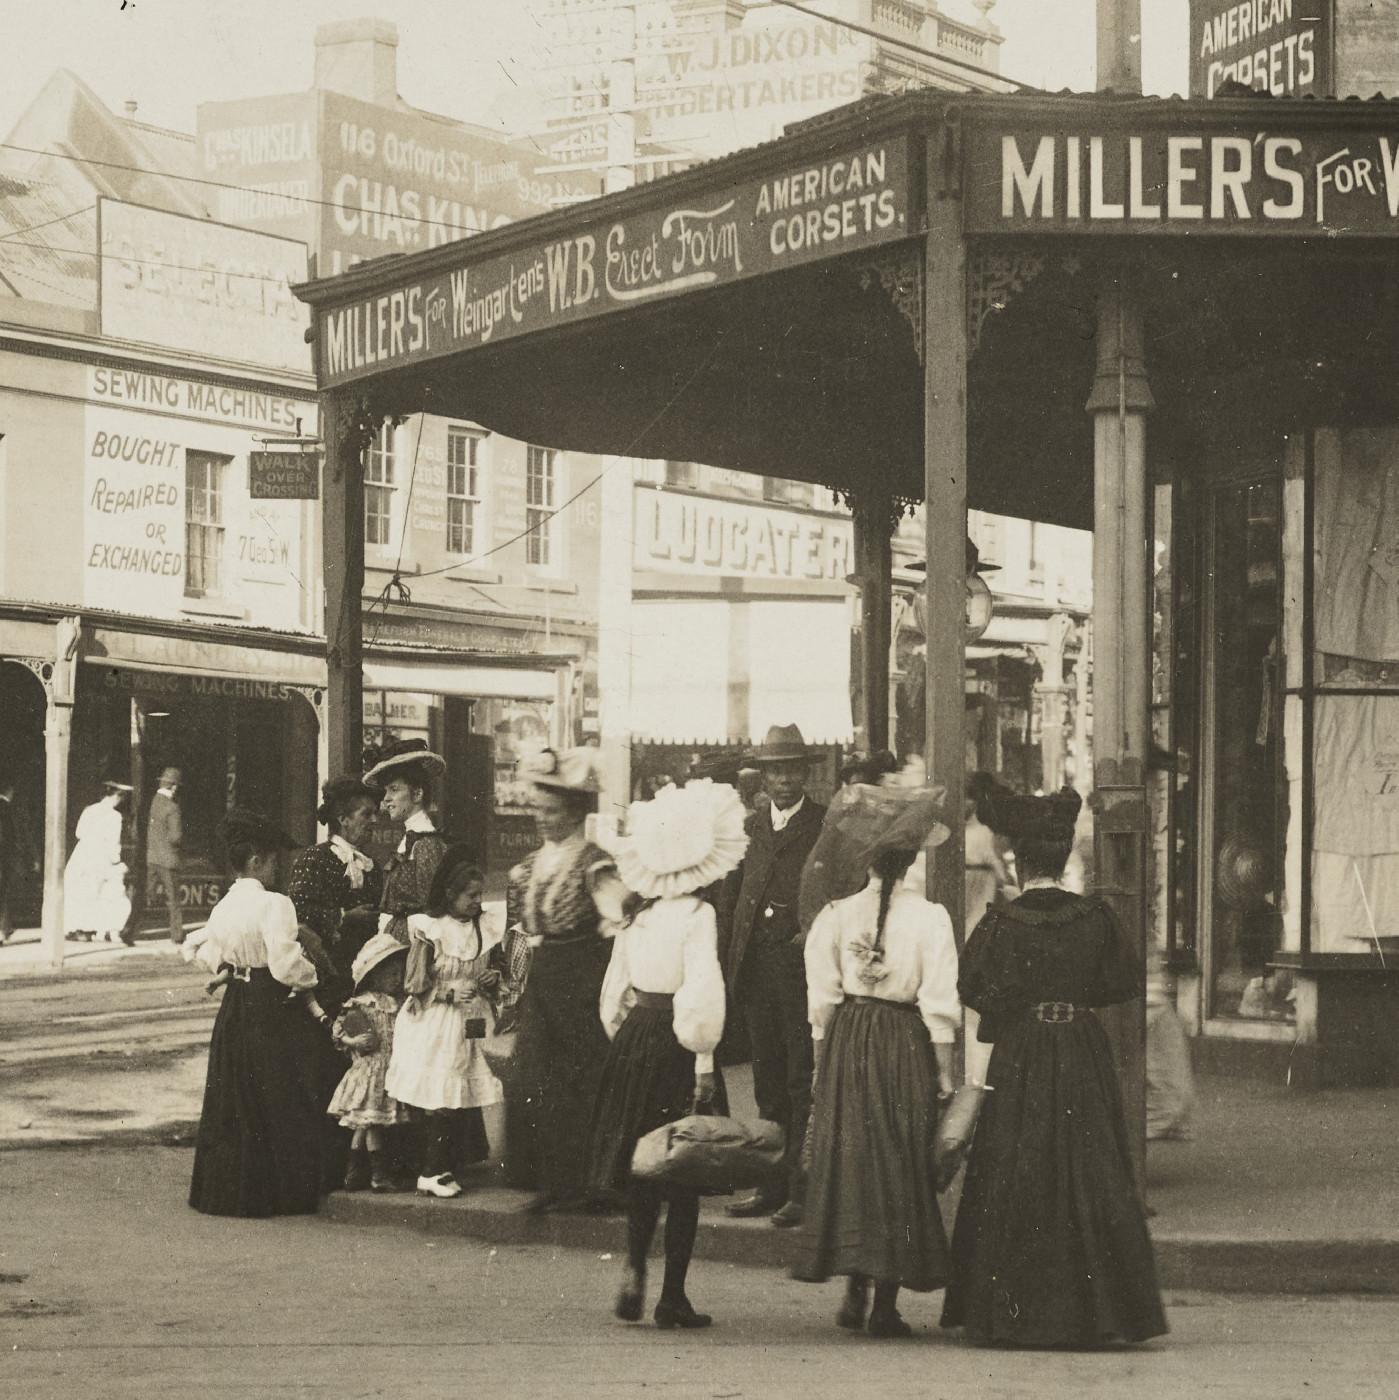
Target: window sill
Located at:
point(212, 607)
point(465, 575)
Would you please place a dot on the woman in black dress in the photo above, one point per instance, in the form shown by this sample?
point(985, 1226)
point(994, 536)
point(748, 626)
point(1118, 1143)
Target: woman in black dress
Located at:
point(259, 1145)
point(558, 896)
point(336, 887)
point(1050, 1247)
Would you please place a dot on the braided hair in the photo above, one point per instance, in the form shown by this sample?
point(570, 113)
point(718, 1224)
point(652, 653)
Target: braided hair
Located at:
point(891, 867)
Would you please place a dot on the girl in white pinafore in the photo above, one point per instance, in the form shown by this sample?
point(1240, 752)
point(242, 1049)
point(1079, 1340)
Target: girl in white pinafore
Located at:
point(437, 1064)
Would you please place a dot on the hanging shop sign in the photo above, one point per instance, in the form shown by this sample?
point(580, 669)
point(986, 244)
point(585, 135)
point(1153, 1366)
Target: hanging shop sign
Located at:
point(711, 238)
point(1281, 47)
point(1233, 178)
point(284, 476)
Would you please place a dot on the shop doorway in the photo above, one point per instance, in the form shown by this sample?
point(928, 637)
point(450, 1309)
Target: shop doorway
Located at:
point(23, 705)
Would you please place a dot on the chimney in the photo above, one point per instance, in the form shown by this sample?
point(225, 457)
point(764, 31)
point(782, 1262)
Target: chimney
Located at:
point(130, 105)
point(359, 57)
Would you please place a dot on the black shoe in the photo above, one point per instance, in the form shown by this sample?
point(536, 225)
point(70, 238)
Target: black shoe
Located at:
point(630, 1297)
point(887, 1325)
point(852, 1311)
point(759, 1203)
point(789, 1217)
point(679, 1314)
point(357, 1171)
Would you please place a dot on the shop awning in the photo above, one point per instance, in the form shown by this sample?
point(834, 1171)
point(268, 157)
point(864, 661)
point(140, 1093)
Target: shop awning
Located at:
point(715, 672)
point(189, 656)
point(474, 680)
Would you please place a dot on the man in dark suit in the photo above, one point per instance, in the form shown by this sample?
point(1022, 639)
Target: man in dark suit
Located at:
point(762, 957)
point(164, 836)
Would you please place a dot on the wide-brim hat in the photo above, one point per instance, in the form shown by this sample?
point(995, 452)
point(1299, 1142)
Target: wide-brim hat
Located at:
point(110, 786)
point(401, 754)
point(783, 743)
point(863, 823)
point(682, 839)
point(455, 859)
point(378, 949)
point(573, 770)
point(242, 824)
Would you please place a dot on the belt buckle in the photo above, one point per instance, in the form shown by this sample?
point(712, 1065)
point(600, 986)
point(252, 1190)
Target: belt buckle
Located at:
point(1055, 1013)
point(242, 974)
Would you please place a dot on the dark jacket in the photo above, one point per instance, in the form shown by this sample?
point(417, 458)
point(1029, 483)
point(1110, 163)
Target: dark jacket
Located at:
point(164, 833)
point(763, 890)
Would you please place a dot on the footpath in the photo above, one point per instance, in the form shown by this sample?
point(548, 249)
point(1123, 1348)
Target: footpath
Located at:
point(1278, 1190)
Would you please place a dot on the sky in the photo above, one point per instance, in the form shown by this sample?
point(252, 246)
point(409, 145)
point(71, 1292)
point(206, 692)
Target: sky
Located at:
point(455, 57)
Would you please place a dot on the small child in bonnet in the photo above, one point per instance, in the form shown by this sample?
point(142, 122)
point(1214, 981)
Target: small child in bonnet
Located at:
point(365, 1028)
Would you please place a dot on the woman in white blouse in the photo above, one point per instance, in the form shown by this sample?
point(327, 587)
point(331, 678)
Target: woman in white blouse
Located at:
point(662, 1006)
point(881, 974)
point(258, 1149)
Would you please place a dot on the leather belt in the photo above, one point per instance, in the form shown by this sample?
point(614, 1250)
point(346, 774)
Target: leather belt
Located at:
point(654, 1001)
point(1055, 1013)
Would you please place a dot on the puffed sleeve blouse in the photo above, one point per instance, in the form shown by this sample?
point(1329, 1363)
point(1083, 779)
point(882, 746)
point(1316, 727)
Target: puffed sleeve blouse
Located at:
point(918, 966)
point(672, 947)
point(255, 927)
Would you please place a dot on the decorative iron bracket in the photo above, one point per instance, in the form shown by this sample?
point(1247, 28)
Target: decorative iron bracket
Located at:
point(993, 278)
point(900, 275)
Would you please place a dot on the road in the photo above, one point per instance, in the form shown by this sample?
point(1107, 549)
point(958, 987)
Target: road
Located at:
point(111, 1287)
point(116, 1048)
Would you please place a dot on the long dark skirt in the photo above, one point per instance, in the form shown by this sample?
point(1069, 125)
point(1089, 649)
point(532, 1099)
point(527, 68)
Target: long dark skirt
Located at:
point(262, 1129)
point(1050, 1245)
point(557, 1065)
point(647, 1082)
point(871, 1205)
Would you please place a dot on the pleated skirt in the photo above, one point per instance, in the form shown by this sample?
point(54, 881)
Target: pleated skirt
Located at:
point(262, 1128)
point(871, 1203)
point(648, 1081)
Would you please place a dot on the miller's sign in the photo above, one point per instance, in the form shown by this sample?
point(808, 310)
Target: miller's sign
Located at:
point(705, 238)
point(1229, 179)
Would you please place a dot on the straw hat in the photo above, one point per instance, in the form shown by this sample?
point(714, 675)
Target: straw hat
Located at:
point(682, 839)
point(378, 949)
point(573, 770)
point(401, 754)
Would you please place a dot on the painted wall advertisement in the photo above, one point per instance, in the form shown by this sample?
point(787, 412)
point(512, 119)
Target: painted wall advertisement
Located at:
point(1226, 178)
point(711, 237)
point(1281, 47)
point(191, 284)
point(137, 507)
point(685, 534)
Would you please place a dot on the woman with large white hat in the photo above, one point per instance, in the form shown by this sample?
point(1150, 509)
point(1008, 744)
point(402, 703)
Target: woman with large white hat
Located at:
point(404, 774)
point(663, 1008)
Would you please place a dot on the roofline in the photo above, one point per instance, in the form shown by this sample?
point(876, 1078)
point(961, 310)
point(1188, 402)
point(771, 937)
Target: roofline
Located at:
point(860, 121)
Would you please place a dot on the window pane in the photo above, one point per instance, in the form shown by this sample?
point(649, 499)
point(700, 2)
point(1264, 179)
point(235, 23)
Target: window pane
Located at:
point(203, 522)
point(1248, 798)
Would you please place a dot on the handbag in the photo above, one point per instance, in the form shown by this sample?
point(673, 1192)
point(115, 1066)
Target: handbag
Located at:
point(711, 1155)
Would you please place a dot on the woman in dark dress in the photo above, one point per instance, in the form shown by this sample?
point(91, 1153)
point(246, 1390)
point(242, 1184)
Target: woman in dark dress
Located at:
point(1050, 1247)
point(559, 895)
point(259, 1144)
point(336, 887)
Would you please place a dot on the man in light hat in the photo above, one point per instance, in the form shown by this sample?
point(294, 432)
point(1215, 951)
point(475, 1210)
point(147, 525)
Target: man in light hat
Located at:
point(762, 956)
point(164, 834)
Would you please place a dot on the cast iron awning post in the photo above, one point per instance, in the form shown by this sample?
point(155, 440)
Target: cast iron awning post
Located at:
point(872, 508)
point(945, 508)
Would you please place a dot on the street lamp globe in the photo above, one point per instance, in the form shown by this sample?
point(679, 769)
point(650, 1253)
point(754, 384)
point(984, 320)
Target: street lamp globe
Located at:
point(979, 607)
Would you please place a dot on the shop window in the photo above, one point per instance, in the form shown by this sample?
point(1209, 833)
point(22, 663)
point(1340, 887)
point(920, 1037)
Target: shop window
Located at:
point(787, 493)
point(379, 486)
point(463, 490)
point(684, 474)
point(541, 490)
point(204, 487)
